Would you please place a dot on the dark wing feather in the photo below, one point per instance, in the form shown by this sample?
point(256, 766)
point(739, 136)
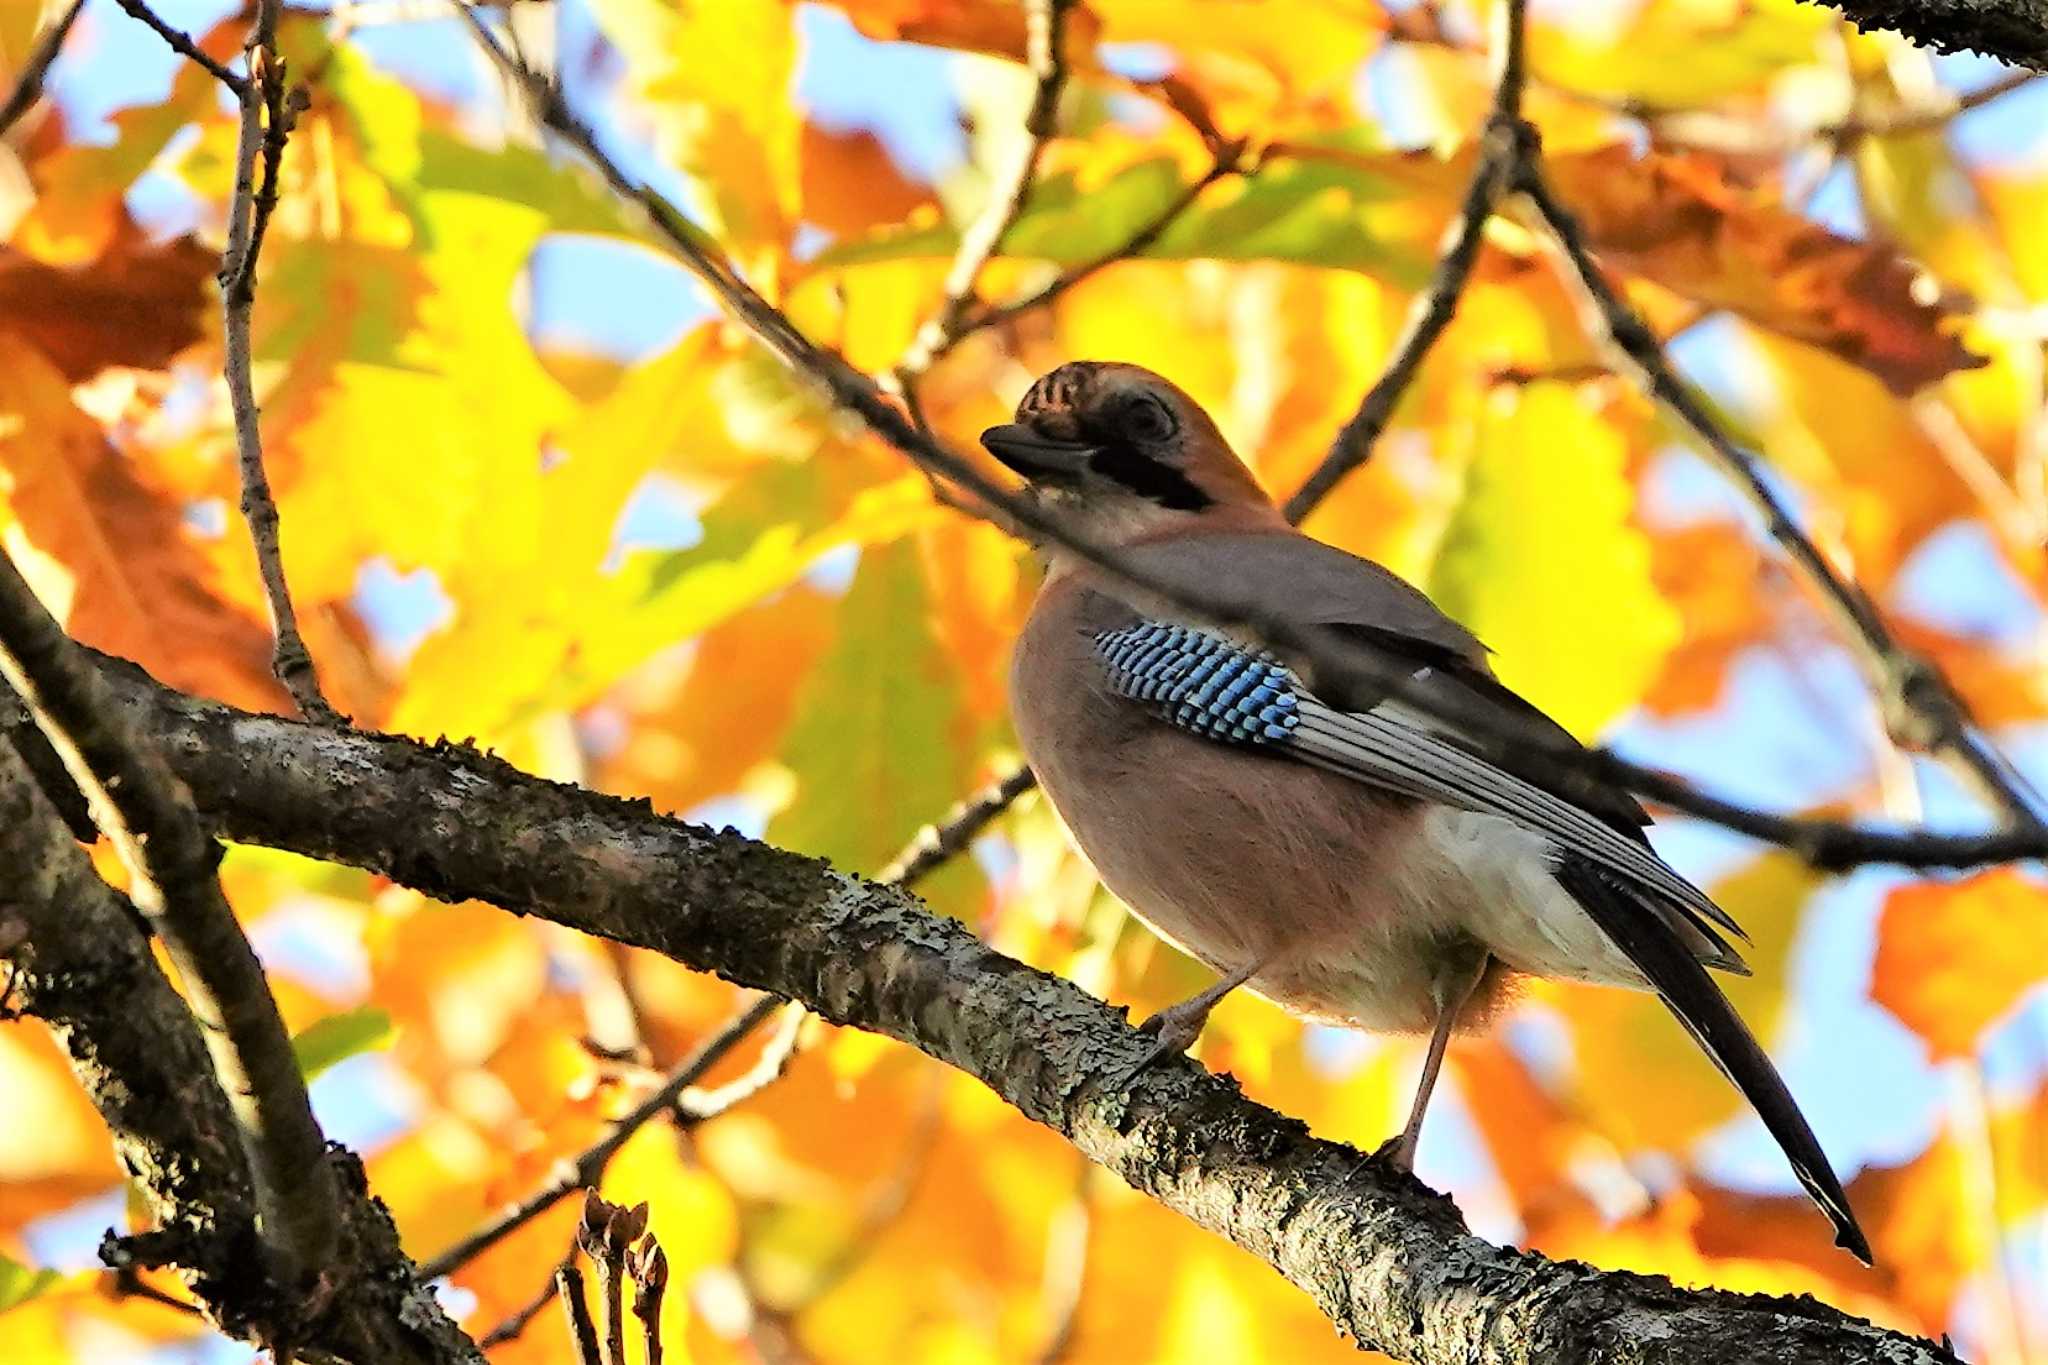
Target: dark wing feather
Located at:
point(1691, 995)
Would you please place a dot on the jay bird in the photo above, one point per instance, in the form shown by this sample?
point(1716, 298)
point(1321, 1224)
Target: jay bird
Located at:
point(1348, 857)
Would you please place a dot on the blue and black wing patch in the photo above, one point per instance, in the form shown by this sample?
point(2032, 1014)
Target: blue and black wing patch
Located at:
point(1202, 683)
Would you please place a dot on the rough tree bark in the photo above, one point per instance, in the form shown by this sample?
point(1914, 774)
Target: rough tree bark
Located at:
point(2014, 31)
point(81, 962)
point(1388, 1261)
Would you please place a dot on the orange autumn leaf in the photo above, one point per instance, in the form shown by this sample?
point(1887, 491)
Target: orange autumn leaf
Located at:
point(851, 183)
point(1954, 957)
point(139, 303)
point(112, 552)
point(1679, 221)
point(968, 25)
point(1711, 573)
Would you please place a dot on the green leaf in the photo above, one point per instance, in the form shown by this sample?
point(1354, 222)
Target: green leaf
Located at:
point(1542, 562)
point(20, 1283)
point(880, 744)
point(339, 1037)
point(762, 536)
point(1307, 211)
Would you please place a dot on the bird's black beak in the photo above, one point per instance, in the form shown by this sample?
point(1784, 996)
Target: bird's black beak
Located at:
point(1034, 455)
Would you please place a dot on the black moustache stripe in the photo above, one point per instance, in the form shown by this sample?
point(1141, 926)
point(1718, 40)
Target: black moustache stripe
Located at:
point(1149, 478)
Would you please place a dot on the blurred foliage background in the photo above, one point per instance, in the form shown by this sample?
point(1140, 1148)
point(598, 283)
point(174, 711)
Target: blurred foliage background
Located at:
point(535, 493)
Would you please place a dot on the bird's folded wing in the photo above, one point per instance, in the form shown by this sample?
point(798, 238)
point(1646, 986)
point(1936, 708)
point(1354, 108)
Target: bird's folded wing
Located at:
point(1386, 621)
point(1221, 690)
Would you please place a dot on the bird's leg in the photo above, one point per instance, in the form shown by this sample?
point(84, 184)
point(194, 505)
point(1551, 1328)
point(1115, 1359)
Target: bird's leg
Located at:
point(1453, 989)
point(1177, 1026)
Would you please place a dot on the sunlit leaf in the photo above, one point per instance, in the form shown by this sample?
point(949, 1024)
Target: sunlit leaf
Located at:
point(878, 744)
point(338, 1037)
point(1544, 564)
point(1954, 957)
point(1677, 52)
point(138, 303)
point(20, 1283)
point(1683, 224)
point(112, 556)
point(1318, 212)
point(714, 78)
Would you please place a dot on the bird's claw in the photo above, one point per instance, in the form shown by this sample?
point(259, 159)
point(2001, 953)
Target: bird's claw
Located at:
point(1174, 1033)
point(1396, 1153)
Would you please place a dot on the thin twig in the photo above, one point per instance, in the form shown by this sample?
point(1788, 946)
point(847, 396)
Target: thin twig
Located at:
point(268, 108)
point(584, 1170)
point(1230, 159)
point(520, 1317)
point(181, 43)
point(1220, 604)
point(1503, 142)
point(648, 1264)
point(935, 844)
point(582, 1331)
point(1921, 710)
point(148, 815)
point(29, 87)
point(1045, 23)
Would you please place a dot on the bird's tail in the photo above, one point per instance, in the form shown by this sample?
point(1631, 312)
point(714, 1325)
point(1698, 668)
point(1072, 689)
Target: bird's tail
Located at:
point(1640, 931)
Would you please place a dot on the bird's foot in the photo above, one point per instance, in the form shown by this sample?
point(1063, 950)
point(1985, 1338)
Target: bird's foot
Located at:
point(1174, 1030)
point(1397, 1153)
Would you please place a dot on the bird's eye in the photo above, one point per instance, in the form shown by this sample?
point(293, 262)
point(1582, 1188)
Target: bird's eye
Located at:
point(1146, 419)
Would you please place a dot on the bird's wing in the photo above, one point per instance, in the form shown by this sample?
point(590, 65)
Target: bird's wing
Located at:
point(1306, 582)
point(1220, 689)
point(1224, 691)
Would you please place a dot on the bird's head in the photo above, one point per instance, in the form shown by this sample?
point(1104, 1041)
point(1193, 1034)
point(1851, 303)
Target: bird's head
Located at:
point(1124, 452)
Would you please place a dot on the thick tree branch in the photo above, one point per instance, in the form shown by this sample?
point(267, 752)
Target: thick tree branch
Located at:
point(1388, 1261)
point(2013, 31)
point(145, 811)
point(79, 963)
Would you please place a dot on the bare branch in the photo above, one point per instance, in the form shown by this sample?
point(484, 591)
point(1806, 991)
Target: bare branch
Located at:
point(1045, 23)
point(146, 812)
point(181, 43)
point(648, 1265)
point(268, 108)
point(587, 1167)
point(1230, 160)
point(935, 844)
point(28, 88)
point(1385, 1259)
point(1501, 145)
point(1921, 709)
point(80, 964)
point(2015, 31)
point(582, 1331)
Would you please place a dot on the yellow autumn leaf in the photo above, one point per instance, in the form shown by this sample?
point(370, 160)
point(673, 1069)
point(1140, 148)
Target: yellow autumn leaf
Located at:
point(1545, 564)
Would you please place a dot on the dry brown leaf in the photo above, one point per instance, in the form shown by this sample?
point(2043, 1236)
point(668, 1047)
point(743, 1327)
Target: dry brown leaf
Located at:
point(139, 304)
point(1679, 221)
